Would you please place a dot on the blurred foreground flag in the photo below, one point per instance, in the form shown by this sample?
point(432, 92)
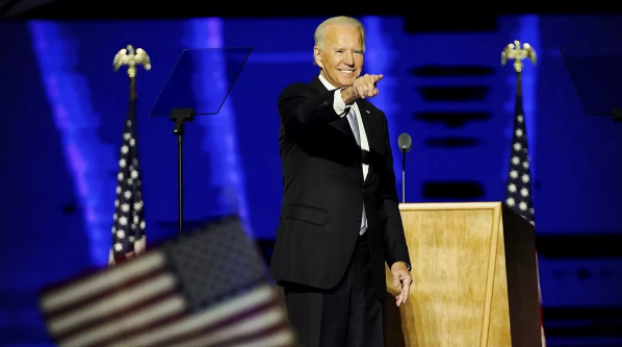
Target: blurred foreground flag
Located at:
point(205, 288)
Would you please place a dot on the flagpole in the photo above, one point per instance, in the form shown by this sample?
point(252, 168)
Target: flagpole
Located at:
point(132, 87)
point(513, 51)
point(128, 236)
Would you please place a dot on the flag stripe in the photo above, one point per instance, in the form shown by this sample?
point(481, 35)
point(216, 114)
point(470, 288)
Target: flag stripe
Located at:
point(167, 321)
point(115, 308)
point(236, 324)
point(160, 311)
point(100, 282)
point(144, 319)
point(137, 283)
point(237, 306)
point(148, 327)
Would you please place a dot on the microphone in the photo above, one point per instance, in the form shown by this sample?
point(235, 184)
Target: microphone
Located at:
point(405, 142)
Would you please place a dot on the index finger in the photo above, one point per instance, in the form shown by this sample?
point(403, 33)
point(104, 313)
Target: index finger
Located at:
point(376, 78)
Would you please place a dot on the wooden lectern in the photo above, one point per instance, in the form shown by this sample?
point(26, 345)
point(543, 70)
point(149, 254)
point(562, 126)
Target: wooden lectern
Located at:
point(475, 280)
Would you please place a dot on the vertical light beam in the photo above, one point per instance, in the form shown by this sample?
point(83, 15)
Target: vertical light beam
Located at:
point(88, 159)
point(221, 143)
point(529, 31)
point(379, 58)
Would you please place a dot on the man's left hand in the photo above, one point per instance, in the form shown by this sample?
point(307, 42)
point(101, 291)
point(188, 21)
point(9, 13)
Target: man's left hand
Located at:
point(401, 278)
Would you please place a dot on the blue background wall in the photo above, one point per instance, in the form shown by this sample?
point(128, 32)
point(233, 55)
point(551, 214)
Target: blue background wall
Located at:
point(63, 110)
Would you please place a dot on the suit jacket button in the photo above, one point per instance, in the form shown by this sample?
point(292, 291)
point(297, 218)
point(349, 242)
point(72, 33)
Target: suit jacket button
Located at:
point(358, 219)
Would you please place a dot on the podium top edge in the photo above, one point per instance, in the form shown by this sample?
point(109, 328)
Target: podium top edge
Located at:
point(450, 206)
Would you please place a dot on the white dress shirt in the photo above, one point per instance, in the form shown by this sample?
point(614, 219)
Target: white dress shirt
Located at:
point(344, 110)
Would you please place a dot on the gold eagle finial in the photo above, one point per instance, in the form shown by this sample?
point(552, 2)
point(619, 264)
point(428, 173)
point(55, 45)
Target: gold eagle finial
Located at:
point(514, 51)
point(128, 57)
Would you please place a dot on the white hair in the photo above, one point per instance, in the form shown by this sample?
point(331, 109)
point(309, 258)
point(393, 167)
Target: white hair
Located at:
point(320, 32)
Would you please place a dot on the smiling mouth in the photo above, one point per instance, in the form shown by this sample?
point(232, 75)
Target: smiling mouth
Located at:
point(346, 71)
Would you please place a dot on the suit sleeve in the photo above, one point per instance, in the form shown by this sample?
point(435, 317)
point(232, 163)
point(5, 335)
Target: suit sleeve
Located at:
point(395, 241)
point(300, 109)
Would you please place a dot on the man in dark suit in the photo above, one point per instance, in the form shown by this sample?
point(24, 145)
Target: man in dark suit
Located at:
point(339, 221)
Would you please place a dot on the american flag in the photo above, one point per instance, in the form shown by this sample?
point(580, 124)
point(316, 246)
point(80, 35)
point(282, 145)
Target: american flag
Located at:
point(519, 180)
point(205, 288)
point(128, 230)
point(519, 192)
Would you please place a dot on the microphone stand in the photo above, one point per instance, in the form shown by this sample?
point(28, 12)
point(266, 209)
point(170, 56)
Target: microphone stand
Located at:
point(403, 176)
point(404, 141)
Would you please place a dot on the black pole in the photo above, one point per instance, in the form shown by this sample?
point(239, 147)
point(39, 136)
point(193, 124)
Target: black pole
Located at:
point(404, 176)
point(180, 175)
point(180, 116)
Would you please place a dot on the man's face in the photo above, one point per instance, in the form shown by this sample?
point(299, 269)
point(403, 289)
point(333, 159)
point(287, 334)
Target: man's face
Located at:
point(341, 58)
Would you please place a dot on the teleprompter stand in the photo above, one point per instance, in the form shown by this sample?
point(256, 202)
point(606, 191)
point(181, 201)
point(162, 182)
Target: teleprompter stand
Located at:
point(198, 85)
point(180, 116)
point(596, 73)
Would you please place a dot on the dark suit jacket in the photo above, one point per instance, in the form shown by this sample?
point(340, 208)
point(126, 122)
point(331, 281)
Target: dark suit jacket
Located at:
point(324, 191)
